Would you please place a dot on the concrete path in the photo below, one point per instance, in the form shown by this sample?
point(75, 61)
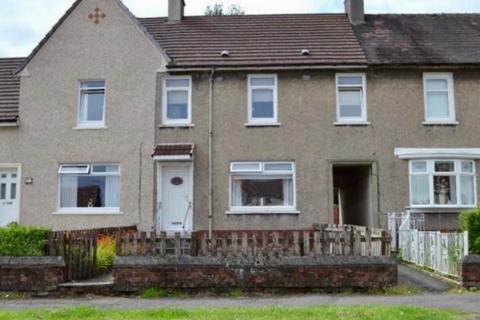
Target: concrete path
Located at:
point(465, 302)
point(411, 277)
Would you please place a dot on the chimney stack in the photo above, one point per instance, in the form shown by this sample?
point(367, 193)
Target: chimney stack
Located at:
point(355, 11)
point(175, 10)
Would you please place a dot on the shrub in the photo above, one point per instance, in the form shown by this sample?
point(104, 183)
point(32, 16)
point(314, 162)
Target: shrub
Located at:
point(20, 241)
point(105, 253)
point(470, 221)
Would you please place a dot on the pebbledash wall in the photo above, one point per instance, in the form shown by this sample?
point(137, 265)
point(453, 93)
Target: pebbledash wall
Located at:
point(307, 135)
point(114, 50)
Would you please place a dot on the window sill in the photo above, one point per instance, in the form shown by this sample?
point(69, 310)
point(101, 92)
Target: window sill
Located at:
point(438, 208)
point(262, 212)
point(352, 123)
point(90, 128)
point(171, 126)
point(263, 124)
point(440, 123)
point(87, 213)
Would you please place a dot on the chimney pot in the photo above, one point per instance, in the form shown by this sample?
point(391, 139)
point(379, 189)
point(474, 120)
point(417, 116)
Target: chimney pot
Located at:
point(355, 10)
point(176, 10)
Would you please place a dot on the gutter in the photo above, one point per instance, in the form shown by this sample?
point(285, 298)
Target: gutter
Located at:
point(210, 154)
point(339, 67)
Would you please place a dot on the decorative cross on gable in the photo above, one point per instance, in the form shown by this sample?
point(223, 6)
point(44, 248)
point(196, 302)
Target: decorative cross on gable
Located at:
point(97, 16)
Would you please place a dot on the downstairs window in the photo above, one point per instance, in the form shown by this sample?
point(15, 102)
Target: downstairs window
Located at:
point(89, 188)
point(442, 183)
point(262, 186)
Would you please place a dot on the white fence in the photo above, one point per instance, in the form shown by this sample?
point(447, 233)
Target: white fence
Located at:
point(403, 221)
point(435, 250)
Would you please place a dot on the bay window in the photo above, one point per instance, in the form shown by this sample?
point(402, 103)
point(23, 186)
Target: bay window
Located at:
point(89, 188)
point(262, 187)
point(442, 183)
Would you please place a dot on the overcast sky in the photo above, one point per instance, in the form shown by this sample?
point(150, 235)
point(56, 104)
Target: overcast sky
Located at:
point(23, 23)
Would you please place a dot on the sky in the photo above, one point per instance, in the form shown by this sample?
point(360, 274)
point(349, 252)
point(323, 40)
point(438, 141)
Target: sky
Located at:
point(23, 23)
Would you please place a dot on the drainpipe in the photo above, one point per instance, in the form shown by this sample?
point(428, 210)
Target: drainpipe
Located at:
point(210, 155)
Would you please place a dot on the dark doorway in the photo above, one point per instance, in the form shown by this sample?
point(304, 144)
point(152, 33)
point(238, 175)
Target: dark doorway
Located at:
point(352, 194)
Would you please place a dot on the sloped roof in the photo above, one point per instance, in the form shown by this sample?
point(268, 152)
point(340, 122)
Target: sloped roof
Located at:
point(420, 39)
point(9, 89)
point(176, 149)
point(257, 40)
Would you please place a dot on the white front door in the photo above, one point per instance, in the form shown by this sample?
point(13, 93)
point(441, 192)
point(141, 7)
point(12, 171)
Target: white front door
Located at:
point(8, 196)
point(175, 196)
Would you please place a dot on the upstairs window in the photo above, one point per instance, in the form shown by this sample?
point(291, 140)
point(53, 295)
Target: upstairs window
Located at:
point(262, 99)
point(92, 104)
point(262, 187)
point(439, 98)
point(177, 101)
point(447, 183)
point(89, 188)
point(351, 98)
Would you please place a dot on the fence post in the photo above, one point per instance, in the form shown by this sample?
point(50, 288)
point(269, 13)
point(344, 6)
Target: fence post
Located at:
point(306, 243)
point(143, 237)
point(153, 243)
point(178, 245)
point(163, 243)
point(466, 248)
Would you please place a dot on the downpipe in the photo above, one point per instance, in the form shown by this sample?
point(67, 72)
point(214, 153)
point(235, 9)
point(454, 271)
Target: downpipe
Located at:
point(210, 155)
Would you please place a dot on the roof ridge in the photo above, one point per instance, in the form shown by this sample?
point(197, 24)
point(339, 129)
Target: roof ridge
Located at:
point(254, 15)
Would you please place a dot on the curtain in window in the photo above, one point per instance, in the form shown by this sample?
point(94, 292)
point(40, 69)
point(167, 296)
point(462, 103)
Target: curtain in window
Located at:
point(68, 191)
point(112, 192)
point(236, 193)
point(420, 189)
point(287, 192)
point(467, 196)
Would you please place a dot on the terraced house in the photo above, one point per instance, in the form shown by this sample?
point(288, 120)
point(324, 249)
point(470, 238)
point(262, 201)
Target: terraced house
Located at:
point(241, 122)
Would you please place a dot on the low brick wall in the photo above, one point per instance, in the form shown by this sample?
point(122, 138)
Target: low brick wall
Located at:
point(31, 274)
point(470, 271)
point(135, 273)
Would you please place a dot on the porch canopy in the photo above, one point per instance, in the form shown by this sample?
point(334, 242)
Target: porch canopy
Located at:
point(174, 152)
point(437, 153)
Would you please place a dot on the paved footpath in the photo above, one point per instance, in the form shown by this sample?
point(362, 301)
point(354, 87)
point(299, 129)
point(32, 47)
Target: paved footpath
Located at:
point(465, 302)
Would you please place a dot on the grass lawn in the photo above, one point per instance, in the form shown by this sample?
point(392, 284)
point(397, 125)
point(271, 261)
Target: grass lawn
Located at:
point(325, 312)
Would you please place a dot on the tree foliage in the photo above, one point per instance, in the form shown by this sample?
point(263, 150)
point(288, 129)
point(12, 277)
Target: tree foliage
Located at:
point(218, 9)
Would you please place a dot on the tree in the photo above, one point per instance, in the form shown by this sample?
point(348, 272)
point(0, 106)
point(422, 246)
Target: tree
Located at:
point(218, 10)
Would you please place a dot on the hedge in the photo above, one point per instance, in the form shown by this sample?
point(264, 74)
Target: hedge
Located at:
point(17, 241)
point(470, 221)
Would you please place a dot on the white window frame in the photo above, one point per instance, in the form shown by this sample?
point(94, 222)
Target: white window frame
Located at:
point(87, 211)
point(274, 87)
point(448, 76)
point(176, 122)
point(457, 173)
point(91, 124)
point(262, 172)
point(363, 119)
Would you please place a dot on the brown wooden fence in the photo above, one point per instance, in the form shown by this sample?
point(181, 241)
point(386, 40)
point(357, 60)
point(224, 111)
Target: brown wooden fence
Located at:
point(79, 249)
point(324, 240)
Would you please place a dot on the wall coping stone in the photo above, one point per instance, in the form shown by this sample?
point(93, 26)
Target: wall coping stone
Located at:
point(471, 259)
point(237, 261)
point(31, 262)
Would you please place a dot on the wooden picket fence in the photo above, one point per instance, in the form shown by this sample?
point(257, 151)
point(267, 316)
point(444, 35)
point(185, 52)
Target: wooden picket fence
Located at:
point(324, 240)
point(79, 250)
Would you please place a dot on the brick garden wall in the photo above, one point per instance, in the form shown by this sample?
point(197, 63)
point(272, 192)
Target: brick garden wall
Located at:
point(470, 271)
point(328, 272)
point(32, 274)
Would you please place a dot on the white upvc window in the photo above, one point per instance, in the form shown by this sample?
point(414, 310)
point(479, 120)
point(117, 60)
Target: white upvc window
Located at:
point(262, 99)
point(439, 98)
point(442, 183)
point(177, 101)
point(91, 111)
point(89, 188)
point(262, 187)
point(351, 97)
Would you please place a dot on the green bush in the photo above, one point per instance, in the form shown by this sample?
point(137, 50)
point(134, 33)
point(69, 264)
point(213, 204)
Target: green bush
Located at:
point(17, 241)
point(470, 221)
point(105, 253)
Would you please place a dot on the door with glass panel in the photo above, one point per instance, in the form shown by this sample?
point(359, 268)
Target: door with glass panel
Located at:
point(8, 196)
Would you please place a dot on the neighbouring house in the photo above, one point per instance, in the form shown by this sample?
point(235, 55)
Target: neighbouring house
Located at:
point(241, 122)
